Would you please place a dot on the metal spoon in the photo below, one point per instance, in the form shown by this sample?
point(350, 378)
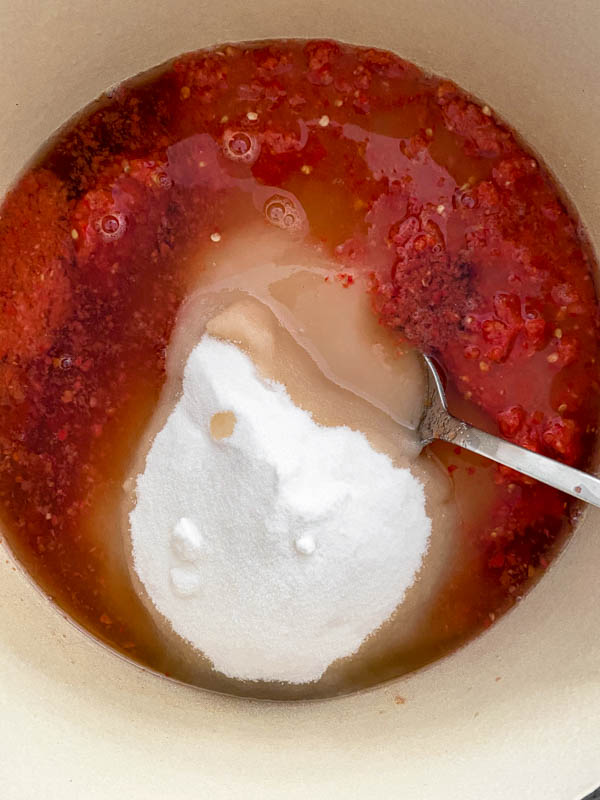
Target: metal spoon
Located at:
point(438, 423)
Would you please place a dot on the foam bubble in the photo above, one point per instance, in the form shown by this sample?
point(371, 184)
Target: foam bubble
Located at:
point(111, 226)
point(241, 146)
point(283, 212)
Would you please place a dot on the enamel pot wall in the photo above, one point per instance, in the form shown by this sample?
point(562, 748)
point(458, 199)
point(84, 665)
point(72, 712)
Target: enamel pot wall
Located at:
point(76, 721)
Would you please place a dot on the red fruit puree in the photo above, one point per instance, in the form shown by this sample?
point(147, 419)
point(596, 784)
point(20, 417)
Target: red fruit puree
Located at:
point(398, 177)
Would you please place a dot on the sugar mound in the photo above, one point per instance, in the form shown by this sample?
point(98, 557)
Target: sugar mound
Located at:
point(277, 549)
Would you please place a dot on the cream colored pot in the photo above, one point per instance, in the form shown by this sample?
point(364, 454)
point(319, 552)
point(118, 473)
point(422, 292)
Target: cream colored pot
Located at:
point(516, 714)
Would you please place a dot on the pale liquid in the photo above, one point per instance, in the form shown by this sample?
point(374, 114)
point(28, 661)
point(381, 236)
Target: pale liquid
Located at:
point(281, 302)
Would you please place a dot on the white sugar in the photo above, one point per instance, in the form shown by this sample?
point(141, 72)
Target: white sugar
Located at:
point(278, 546)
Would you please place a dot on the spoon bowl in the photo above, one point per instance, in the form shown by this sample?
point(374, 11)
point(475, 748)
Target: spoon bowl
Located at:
point(437, 423)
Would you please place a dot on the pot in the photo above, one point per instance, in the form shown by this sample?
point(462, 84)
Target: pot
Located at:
point(513, 714)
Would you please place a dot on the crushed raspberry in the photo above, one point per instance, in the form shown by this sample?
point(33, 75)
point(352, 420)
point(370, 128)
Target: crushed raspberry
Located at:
point(321, 54)
point(36, 253)
point(564, 294)
point(321, 58)
point(496, 561)
point(535, 329)
point(482, 136)
point(511, 420)
point(562, 437)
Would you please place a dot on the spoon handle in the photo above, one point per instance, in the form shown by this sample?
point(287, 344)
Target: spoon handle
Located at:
point(572, 481)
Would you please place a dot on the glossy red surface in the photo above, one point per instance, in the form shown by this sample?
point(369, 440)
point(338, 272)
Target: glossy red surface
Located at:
point(472, 254)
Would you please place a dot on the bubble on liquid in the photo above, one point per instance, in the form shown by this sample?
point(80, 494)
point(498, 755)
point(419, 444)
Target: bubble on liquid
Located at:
point(241, 146)
point(111, 226)
point(162, 180)
point(466, 199)
point(283, 212)
point(186, 540)
point(275, 212)
point(185, 580)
